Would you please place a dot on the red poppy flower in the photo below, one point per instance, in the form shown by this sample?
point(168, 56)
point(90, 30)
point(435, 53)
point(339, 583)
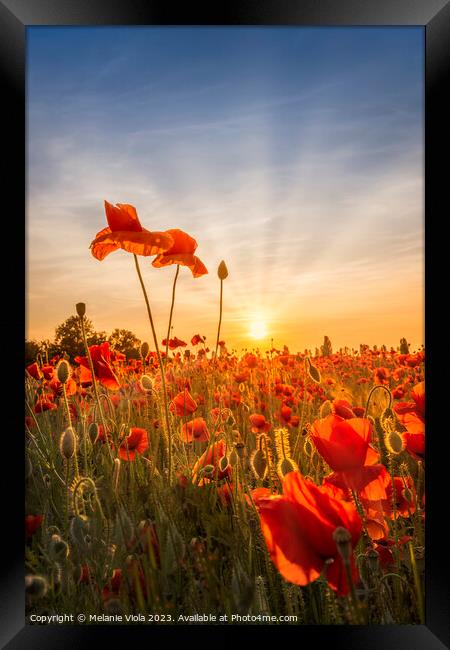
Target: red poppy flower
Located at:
point(112, 588)
point(34, 370)
point(45, 403)
point(174, 343)
point(212, 456)
point(344, 445)
point(196, 339)
point(196, 430)
point(259, 424)
point(183, 404)
point(101, 361)
point(298, 530)
point(135, 442)
point(125, 231)
point(342, 408)
point(32, 523)
point(181, 252)
point(412, 416)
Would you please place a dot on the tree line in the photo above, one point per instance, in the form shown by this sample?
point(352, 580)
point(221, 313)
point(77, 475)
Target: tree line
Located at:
point(68, 339)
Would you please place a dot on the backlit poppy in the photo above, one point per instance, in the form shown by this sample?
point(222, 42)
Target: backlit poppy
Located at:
point(196, 430)
point(259, 424)
point(298, 529)
point(183, 404)
point(125, 231)
point(101, 361)
point(181, 252)
point(135, 442)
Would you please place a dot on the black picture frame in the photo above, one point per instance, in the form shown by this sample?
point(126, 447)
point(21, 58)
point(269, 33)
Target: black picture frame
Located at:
point(15, 17)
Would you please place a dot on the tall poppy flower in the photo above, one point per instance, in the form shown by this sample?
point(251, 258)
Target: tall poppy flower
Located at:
point(182, 253)
point(101, 361)
point(298, 529)
point(125, 231)
point(135, 442)
point(196, 430)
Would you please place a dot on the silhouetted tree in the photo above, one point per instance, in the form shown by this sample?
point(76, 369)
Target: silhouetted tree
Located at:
point(326, 348)
point(32, 349)
point(126, 342)
point(404, 346)
point(68, 337)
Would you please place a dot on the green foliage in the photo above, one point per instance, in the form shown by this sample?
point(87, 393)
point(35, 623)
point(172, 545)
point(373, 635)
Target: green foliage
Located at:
point(126, 342)
point(68, 336)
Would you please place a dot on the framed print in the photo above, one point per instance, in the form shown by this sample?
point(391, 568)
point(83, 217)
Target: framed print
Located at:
point(228, 221)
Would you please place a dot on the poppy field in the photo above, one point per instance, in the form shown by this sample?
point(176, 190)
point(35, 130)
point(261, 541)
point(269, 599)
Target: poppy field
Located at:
point(263, 487)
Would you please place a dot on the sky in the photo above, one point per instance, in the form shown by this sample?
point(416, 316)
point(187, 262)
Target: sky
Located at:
point(295, 154)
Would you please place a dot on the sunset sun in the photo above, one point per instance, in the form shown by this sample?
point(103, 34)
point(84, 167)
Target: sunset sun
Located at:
point(258, 329)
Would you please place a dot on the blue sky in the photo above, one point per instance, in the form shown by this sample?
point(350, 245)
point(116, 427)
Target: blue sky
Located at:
point(295, 154)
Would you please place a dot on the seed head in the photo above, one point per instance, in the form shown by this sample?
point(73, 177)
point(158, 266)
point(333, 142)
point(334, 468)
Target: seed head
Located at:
point(81, 309)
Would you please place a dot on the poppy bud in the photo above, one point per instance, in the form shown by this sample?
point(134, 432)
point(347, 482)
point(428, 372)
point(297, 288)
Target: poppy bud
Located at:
point(240, 450)
point(144, 349)
point(68, 443)
point(63, 371)
point(81, 309)
point(394, 442)
point(146, 383)
point(207, 471)
point(285, 466)
point(233, 458)
point(93, 432)
point(258, 463)
point(343, 542)
point(35, 586)
point(223, 463)
point(313, 372)
point(373, 559)
point(222, 271)
point(58, 549)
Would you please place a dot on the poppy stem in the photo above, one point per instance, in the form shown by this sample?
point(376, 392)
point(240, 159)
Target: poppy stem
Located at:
point(171, 313)
point(371, 393)
point(220, 320)
point(94, 384)
point(162, 371)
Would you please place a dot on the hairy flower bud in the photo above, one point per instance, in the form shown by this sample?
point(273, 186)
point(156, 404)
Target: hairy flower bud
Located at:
point(68, 443)
point(146, 383)
point(93, 432)
point(58, 549)
point(63, 371)
point(144, 349)
point(343, 541)
point(222, 271)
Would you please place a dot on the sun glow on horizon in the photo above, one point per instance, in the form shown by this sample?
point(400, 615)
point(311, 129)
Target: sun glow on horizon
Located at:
point(258, 330)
